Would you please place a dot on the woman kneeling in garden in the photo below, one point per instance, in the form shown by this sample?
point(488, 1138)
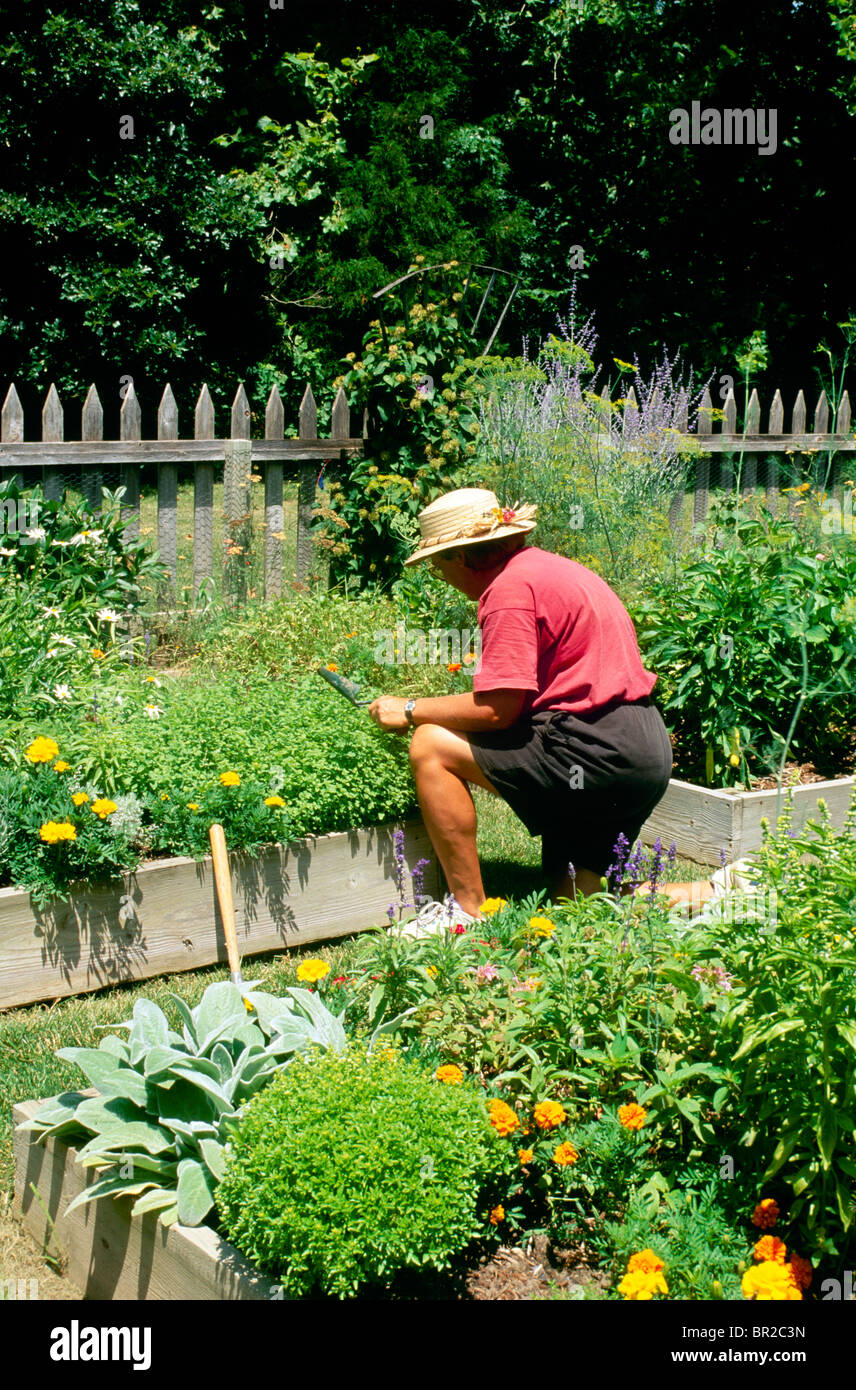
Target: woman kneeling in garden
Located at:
point(560, 723)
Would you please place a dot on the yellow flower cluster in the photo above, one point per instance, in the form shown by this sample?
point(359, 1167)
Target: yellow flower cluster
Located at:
point(103, 807)
point(541, 926)
point(310, 971)
point(53, 830)
point(632, 1116)
point(274, 801)
point(79, 798)
point(450, 1074)
point(229, 779)
point(491, 905)
point(770, 1282)
point(644, 1277)
point(42, 750)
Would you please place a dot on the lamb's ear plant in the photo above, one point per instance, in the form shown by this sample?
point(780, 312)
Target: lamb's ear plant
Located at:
point(167, 1101)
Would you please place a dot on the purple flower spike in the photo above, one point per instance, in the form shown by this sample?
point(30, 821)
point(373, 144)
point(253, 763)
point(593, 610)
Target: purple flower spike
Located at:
point(723, 858)
point(417, 877)
point(615, 872)
point(634, 867)
point(656, 863)
point(672, 855)
point(390, 912)
point(572, 873)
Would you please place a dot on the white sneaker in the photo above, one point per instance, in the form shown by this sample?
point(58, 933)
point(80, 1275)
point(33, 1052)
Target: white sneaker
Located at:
point(732, 877)
point(435, 918)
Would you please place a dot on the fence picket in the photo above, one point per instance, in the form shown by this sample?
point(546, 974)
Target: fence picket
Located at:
point(92, 428)
point(53, 433)
point(701, 492)
point(130, 428)
point(237, 466)
point(750, 462)
point(729, 426)
point(775, 426)
point(274, 524)
point(203, 495)
point(12, 429)
point(306, 488)
point(168, 488)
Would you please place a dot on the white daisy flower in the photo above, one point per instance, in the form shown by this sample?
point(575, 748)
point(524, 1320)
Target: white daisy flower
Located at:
point(153, 711)
point(63, 641)
point(36, 533)
point(51, 612)
point(107, 615)
point(4, 551)
point(153, 680)
point(62, 692)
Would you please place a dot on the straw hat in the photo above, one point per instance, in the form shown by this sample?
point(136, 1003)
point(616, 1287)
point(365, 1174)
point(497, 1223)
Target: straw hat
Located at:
point(461, 518)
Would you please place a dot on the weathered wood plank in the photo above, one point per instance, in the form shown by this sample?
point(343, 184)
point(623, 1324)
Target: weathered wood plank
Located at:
point(308, 428)
point(237, 500)
point(92, 430)
point(164, 918)
point(729, 413)
point(71, 454)
point(704, 820)
point(110, 1254)
point(53, 432)
point(130, 429)
point(821, 414)
point(168, 489)
point(203, 496)
point(340, 419)
point(274, 429)
point(12, 430)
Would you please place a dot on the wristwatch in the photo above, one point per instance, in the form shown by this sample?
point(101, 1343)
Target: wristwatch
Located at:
point(408, 710)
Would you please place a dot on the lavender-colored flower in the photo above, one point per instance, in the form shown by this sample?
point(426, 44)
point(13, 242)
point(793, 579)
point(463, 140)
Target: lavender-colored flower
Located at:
point(723, 858)
point(656, 870)
point(390, 912)
point(417, 878)
point(399, 863)
point(671, 855)
point(572, 873)
point(634, 867)
point(486, 972)
point(615, 872)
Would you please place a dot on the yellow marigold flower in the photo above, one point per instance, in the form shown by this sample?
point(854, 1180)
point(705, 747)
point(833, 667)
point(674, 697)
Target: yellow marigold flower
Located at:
point(639, 1285)
point(770, 1282)
point(771, 1248)
point(79, 798)
point(491, 905)
point(525, 1155)
point(274, 801)
point(541, 926)
point(42, 750)
point(229, 779)
point(646, 1261)
point(632, 1116)
point(504, 1120)
point(97, 654)
point(331, 666)
point(452, 1075)
point(432, 971)
point(60, 766)
point(565, 1154)
point(192, 806)
point(549, 1114)
point(164, 796)
point(103, 807)
point(312, 970)
point(497, 1215)
point(766, 1214)
point(52, 831)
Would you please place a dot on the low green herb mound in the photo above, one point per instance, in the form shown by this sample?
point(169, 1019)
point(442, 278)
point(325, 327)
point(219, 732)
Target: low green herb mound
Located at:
point(353, 1167)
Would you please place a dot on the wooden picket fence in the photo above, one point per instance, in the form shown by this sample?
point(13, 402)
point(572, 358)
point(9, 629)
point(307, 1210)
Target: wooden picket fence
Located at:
point(50, 460)
point(727, 441)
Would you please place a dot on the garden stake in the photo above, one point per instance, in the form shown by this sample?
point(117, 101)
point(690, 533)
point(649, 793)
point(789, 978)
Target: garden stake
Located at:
point(223, 880)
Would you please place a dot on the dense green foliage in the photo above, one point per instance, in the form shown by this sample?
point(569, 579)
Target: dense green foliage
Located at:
point(754, 644)
point(167, 1101)
point(283, 167)
point(352, 1168)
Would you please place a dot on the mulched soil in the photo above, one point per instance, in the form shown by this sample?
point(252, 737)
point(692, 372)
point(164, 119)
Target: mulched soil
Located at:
point(796, 775)
point(531, 1274)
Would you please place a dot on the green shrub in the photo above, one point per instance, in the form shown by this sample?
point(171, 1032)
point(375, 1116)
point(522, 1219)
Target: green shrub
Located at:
point(354, 1167)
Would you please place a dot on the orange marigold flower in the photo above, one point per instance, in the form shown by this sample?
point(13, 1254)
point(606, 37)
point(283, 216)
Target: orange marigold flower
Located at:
point(453, 667)
point(331, 666)
point(97, 654)
point(503, 1118)
point(497, 1215)
point(645, 1262)
point(801, 1271)
point(632, 1116)
point(771, 1248)
point(766, 1214)
point(452, 1075)
point(565, 1154)
point(526, 1155)
point(549, 1114)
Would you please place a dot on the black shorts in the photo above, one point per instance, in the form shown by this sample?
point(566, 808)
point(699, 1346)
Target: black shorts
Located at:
point(580, 780)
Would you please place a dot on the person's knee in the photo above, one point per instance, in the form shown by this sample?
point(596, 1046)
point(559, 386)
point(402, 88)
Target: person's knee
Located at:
point(425, 745)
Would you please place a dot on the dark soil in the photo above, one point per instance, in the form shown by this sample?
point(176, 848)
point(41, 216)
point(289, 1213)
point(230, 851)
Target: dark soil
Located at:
point(795, 775)
point(535, 1273)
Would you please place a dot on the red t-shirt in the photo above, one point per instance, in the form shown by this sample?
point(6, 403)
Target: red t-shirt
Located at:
point(555, 628)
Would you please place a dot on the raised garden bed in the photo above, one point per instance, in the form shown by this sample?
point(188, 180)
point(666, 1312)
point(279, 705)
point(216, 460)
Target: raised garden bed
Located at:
point(111, 1256)
point(164, 917)
point(703, 821)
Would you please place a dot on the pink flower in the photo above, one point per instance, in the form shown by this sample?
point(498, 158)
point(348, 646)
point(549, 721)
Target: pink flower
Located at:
point(486, 972)
point(458, 929)
point(508, 514)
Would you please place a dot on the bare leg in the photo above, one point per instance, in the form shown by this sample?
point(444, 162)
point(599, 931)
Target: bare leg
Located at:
point(443, 765)
point(584, 883)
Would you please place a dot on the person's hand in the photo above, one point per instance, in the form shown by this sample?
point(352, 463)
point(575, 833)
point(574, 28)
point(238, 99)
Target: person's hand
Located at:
point(388, 712)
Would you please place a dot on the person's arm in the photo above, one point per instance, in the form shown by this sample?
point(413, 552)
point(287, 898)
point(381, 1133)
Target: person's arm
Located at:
point(480, 712)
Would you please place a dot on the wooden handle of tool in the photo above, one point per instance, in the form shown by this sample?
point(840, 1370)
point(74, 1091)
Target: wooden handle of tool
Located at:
point(223, 880)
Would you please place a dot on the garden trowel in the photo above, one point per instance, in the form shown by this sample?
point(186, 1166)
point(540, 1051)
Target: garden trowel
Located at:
point(350, 689)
